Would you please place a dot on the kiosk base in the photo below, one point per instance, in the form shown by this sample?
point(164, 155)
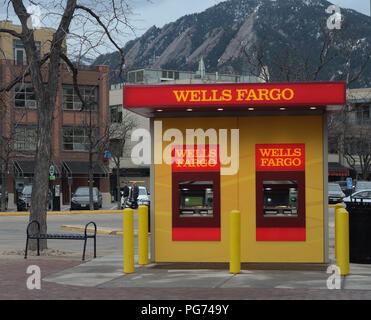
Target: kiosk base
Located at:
point(244, 266)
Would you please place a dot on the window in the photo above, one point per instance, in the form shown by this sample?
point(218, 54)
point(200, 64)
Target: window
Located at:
point(25, 138)
point(75, 139)
point(24, 96)
point(280, 198)
point(131, 77)
point(362, 113)
point(196, 199)
point(19, 52)
point(169, 75)
point(71, 101)
point(140, 76)
point(116, 113)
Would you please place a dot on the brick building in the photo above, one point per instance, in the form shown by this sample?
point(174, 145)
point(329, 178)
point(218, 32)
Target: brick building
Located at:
point(18, 124)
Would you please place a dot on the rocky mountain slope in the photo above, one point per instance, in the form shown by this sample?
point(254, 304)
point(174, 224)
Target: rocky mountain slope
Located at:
point(288, 36)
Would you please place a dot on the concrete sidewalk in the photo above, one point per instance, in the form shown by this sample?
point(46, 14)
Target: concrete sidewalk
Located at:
point(107, 272)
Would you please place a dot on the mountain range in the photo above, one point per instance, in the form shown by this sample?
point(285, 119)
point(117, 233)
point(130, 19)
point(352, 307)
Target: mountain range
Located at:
point(290, 37)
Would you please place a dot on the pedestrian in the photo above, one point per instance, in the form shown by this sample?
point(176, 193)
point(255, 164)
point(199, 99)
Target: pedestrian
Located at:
point(125, 195)
point(134, 194)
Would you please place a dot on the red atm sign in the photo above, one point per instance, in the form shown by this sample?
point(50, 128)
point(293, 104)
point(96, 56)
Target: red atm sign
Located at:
point(190, 158)
point(280, 157)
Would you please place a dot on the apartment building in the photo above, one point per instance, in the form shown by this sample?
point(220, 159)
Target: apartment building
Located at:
point(355, 125)
point(71, 125)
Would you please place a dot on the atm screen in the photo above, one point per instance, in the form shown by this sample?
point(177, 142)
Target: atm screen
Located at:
point(280, 198)
point(191, 201)
point(276, 198)
point(196, 198)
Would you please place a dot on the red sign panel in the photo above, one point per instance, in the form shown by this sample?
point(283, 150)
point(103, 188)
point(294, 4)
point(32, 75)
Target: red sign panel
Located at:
point(236, 94)
point(280, 157)
point(195, 158)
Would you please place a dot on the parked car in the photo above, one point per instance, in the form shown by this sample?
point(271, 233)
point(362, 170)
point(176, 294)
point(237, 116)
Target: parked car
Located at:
point(80, 199)
point(143, 199)
point(6, 200)
point(24, 199)
point(335, 194)
point(359, 196)
point(363, 185)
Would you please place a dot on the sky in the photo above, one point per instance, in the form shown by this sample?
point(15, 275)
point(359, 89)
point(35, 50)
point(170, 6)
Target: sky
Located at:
point(147, 13)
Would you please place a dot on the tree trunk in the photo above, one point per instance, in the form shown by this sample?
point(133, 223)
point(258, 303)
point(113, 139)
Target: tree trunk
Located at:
point(39, 198)
point(4, 176)
point(118, 184)
point(91, 182)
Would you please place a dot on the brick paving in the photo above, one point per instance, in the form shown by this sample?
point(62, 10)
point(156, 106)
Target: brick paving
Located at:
point(13, 279)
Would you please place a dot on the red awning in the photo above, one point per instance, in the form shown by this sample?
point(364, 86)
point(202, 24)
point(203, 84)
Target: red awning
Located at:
point(232, 98)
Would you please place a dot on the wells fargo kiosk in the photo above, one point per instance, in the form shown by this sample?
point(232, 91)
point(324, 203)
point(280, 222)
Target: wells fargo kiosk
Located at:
point(264, 153)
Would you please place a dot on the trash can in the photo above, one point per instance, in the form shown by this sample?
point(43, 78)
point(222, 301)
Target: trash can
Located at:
point(359, 231)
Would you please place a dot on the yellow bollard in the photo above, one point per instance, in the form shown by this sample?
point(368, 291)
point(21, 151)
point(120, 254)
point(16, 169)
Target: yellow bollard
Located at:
point(337, 207)
point(128, 229)
point(342, 260)
point(235, 242)
point(143, 234)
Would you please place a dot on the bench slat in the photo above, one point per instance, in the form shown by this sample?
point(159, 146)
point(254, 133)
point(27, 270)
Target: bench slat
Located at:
point(59, 236)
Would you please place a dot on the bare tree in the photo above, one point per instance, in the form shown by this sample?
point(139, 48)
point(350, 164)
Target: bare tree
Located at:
point(97, 140)
point(11, 121)
point(292, 63)
point(8, 148)
point(350, 133)
point(119, 133)
point(107, 18)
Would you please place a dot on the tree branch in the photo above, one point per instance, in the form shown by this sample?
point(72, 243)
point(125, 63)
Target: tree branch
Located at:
point(74, 79)
point(96, 17)
point(23, 75)
point(11, 32)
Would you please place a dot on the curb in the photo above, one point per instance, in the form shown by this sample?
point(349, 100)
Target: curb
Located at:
point(101, 230)
point(54, 213)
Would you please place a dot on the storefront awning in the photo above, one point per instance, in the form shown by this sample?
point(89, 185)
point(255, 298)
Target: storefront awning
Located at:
point(231, 99)
point(23, 168)
point(337, 169)
point(82, 167)
point(26, 168)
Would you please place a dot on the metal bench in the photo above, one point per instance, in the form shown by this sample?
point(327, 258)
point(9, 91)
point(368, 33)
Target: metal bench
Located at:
point(71, 236)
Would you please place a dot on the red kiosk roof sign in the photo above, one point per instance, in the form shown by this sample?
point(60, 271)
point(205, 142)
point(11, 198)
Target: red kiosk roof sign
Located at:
point(235, 94)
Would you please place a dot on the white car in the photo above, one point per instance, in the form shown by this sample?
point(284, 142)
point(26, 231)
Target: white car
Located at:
point(143, 199)
point(359, 196)
point(363, 185)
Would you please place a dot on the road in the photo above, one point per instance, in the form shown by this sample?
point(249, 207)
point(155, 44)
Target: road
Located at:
point(13, 230)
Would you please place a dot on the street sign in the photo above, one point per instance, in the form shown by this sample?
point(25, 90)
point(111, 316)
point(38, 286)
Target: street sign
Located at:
point(107, 154)
point(51, 170)
point(349, 183)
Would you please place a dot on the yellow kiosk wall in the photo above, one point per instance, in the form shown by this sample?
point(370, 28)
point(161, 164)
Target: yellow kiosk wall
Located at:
point(238, 192)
